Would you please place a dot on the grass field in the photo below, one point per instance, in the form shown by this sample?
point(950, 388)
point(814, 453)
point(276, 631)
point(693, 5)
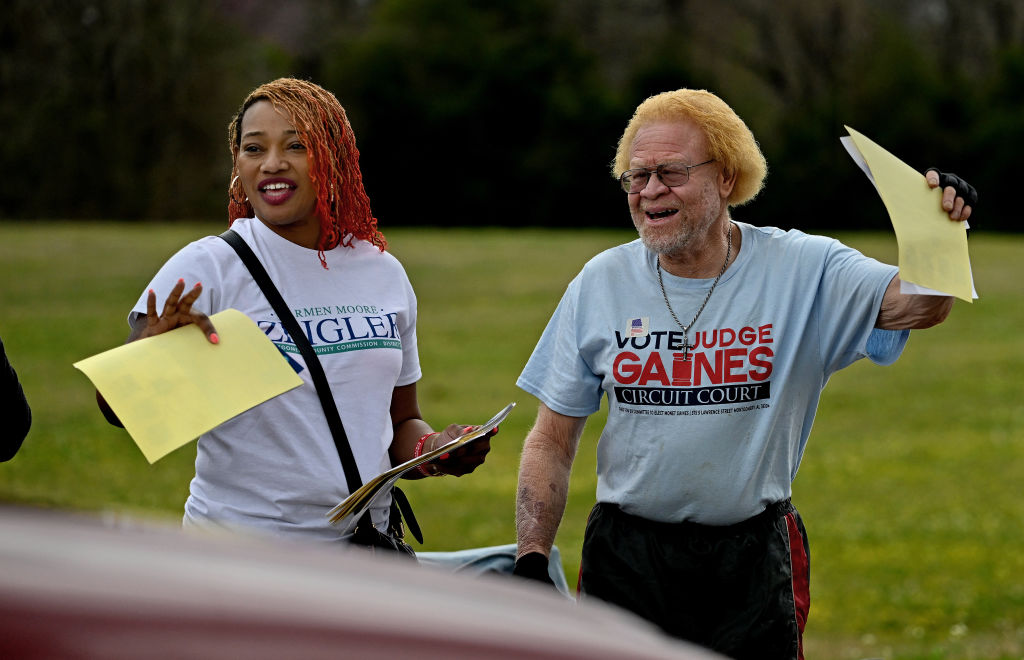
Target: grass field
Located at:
point(911, 488)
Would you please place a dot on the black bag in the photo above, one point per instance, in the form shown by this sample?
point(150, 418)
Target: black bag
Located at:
point(365, 533)
point(368, 535)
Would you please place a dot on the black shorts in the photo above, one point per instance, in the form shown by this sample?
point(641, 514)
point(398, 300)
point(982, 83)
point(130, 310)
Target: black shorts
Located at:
point(741, 590)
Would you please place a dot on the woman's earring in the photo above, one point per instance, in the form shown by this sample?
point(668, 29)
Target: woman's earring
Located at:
point(234, 197)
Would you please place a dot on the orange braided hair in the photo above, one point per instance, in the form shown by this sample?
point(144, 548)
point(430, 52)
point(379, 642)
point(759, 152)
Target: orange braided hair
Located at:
point(341, 202)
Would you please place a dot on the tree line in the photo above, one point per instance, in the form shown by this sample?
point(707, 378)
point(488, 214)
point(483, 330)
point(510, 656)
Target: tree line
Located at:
point(477, 112)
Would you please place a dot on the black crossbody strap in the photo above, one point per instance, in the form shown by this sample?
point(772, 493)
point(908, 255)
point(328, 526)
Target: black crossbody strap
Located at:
point(323, 388)
point(316, 370)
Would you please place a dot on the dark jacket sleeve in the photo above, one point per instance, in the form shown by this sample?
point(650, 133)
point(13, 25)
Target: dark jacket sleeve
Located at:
point(15, 415)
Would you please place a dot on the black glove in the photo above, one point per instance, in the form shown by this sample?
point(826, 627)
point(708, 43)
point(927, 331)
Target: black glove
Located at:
point(962, 188)
point(533, 566)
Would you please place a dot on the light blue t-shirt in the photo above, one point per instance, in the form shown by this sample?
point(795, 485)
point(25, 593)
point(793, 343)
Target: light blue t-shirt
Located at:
point(716, 438)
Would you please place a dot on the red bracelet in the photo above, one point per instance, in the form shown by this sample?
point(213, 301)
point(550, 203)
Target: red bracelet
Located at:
point(418, 451)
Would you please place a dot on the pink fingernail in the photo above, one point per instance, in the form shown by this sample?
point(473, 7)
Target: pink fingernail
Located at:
point(214, 339)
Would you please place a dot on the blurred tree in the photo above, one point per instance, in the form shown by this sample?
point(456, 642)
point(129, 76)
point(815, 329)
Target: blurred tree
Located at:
point(797, 72)
point(994, 143)
point(476, 113)
point(471, 112)
point(117, 109)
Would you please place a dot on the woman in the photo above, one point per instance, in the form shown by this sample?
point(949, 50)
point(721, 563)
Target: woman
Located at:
point(297, 199)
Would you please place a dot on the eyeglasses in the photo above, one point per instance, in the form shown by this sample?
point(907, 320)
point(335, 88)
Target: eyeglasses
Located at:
point(671, 174)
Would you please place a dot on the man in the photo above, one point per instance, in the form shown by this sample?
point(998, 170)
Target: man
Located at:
point(713, 340)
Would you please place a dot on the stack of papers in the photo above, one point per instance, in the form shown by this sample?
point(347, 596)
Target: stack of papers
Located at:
point(932, 247)
point(169, 389)
point(353, 507)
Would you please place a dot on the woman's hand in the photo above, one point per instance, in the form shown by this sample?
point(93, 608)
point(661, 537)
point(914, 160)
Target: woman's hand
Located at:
point(466, 458)
point(177, 312)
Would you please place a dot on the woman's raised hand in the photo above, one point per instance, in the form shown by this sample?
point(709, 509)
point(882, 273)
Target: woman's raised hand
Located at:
point(177, 311)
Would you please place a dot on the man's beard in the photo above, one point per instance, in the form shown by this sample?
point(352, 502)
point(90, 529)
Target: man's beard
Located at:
point(671, 240)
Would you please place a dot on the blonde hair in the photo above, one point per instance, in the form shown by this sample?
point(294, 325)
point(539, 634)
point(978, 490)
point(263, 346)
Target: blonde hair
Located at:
point(730, 142)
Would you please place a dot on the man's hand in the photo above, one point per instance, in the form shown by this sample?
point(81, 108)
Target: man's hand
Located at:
point(533, 566)
point(958, 197)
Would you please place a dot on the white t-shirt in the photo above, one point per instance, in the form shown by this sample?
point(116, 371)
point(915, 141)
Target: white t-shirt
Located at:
point(275, 467)
point(717, 438)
